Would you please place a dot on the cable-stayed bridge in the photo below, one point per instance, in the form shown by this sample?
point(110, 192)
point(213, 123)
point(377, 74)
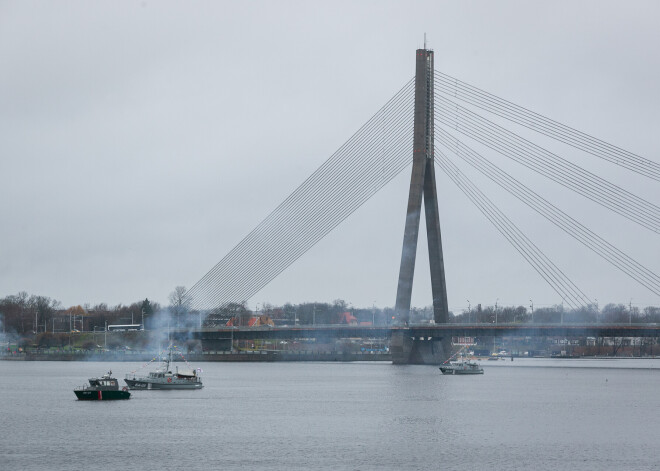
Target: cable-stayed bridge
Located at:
point(429, 123)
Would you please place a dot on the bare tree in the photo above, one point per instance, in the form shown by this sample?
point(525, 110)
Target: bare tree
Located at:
point(179, 305)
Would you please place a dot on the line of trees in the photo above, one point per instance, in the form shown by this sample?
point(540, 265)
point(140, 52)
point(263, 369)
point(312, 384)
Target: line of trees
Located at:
point(300, 314)
point(610, 313)
point(25, 314)
point(331, 313)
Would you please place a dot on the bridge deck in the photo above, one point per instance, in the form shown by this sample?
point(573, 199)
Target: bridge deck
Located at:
point(433, 331)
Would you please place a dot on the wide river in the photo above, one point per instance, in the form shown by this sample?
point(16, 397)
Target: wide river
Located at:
point(526, 414)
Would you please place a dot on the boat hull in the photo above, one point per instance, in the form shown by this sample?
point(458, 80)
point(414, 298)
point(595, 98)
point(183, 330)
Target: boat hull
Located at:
point(452, 371)
point(138, 383)
point(88, 395)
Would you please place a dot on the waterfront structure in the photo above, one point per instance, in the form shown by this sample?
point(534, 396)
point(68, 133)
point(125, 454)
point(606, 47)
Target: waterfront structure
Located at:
point(422, 186)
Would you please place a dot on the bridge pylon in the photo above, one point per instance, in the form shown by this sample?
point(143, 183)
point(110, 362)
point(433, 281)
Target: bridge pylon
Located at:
point(422, 186)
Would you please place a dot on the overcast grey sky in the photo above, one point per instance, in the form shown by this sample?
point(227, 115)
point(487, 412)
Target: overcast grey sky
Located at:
point(140, 141)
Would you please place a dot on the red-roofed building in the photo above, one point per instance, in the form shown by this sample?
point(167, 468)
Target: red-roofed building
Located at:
point(347, 318)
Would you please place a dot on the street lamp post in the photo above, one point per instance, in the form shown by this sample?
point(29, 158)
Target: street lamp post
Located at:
point(496, 310)
point(232, 340)
point(597, 312)
point(531, 305)
point(469, 312)
point(630, 312)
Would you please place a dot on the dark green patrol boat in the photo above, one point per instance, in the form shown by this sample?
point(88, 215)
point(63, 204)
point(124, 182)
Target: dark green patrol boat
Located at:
point(105, 388)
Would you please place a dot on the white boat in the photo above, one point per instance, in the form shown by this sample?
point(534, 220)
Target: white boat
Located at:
point(462, 367)
point(165, 378)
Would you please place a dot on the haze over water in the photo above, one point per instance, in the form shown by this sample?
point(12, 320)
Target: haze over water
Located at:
point(526, 414)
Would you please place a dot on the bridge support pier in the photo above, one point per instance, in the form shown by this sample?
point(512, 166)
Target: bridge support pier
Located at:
point(409, 350)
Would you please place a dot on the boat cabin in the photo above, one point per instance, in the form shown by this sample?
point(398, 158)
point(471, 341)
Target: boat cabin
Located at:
point(104, 383)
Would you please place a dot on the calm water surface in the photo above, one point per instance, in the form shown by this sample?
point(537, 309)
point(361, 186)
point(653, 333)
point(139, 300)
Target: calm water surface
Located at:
point(526, 414)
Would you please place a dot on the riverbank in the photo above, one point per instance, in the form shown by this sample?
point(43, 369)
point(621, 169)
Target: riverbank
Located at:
point(236, 356)
point(261, 356)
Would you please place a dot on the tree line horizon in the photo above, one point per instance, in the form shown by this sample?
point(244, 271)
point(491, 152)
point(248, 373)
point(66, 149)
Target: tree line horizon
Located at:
point(30, 314)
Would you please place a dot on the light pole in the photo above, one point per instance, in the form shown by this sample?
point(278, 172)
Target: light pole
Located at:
point(373, 314)
point(314, 314)
point(496, 310)
point(531, 305)
point(469, 312)
point(597, 312)
point(630, 312)
point(232, 340)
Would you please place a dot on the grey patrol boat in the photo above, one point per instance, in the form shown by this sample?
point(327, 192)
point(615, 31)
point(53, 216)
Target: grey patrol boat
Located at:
point(165, 378)
point(462, 367)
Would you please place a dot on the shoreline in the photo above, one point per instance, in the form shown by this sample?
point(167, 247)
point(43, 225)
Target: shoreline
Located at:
point(244, 356)
point(272, 356)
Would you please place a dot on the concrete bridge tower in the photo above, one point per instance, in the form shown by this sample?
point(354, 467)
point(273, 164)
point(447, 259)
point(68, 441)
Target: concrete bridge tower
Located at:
point(422, 186)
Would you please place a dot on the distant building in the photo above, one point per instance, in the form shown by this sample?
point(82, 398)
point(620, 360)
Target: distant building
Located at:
point(347, 318)
point(253, 321)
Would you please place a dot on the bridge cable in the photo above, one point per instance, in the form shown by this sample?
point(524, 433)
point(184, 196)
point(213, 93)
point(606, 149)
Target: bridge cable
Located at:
point(486, 101)
point(306, 224)
point(257, 242)
point(282, 235)
point(554, 277)
point(538, 159)
point(559, 218)
point(306, 241)
point(303, 192)
point(567, 290)
point(296, 247)
point(575, 229)
point(285, 238)
point(311, 235)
